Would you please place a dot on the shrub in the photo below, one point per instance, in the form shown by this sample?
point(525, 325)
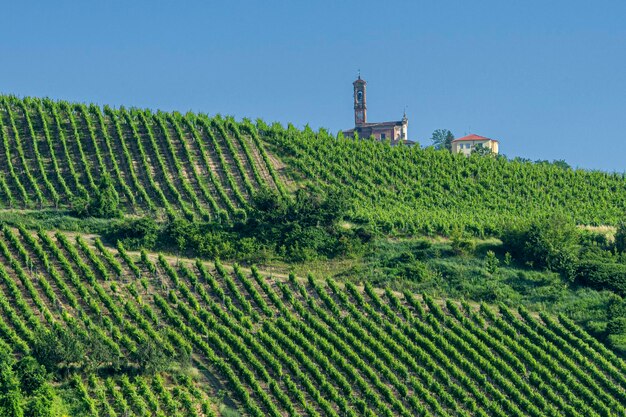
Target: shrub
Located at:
point(57, 348)
point(103, 203)
point(461, 243)
point(134, 233)
point(550, 243)
point(491, 262)
point(32, 374)
point(616, 325)
point(603, 275)
point(617, 342)
point(593, 239)
point(620, 237)
point(421, 248)
point(417, 271)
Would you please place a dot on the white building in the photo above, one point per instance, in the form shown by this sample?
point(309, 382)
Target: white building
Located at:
point(467, 144)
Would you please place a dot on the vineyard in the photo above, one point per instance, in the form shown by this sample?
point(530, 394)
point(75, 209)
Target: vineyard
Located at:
point(409, 189)
point(129, 333)
point(207, 169)
point(200, 167)
point(284, 346)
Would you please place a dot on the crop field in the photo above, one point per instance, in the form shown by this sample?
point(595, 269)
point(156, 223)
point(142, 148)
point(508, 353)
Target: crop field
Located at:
point(208, 168)
point(201, 167)
point(139, 333)
point(415, 190)
point(285, 346)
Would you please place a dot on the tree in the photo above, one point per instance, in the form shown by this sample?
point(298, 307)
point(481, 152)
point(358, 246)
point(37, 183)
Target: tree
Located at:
point(620, 237)
point(11, 397)
point(561, 164)
point(549, 243)
point(135, 233)
point(491, 262)
point(481, 150)
point(105, 201)
point(150, 357)
point(31, 373)
point(442, 139)
point(57, 348)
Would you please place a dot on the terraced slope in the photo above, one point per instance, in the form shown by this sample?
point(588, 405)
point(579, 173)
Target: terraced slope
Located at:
point(207, 168)
point(159, 162)
point(289, 347)
point(423, 190)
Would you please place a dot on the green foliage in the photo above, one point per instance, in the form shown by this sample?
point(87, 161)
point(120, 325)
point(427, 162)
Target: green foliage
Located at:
point(151, 358)
point(45, 403)
point(615, 332)
point(54, 220)
point(205, 240)
point(60, 351)
point(442, 139)
point(256, 333)
point(481, 150)
point(603, 275)
point(550, 243)
point(462, 243)
point(26, 390)
point(620, 237)
point(11, 399)
point(403, 261)
point(407, 267)
point(57, 348)
point(307, 227)
point(150, 163)
point(32, 374)
point(201, 186)
point(103, 203)
point(491, 262)
point(594, 242)
point(408, 190)
point(559, 163)
point(134, 233)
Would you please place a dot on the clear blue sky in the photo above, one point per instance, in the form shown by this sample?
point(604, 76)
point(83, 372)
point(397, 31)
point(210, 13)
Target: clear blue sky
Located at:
point(547, 78)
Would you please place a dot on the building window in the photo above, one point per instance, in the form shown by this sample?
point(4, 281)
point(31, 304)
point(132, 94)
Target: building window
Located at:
point(383, 136)
point(359, 96)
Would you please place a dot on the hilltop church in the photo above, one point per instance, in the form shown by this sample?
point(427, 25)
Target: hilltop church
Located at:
point(395, 132)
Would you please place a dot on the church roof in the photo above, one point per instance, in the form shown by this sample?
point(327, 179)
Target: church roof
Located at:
point(473, 137)
point(382, 124)
point(372, 127)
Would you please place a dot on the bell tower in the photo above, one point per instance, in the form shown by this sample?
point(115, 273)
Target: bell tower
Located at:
point(360, 107)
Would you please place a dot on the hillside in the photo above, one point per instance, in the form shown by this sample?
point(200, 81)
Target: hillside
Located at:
point(208, 168)
point(284, 347)
point(200, 167)
point(413, 190)
point(388, 281)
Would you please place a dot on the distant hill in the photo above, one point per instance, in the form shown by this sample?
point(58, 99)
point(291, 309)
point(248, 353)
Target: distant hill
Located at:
point(208, 168)
point(408, 189)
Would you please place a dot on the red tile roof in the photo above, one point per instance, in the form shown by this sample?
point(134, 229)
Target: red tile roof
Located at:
point(473, 137)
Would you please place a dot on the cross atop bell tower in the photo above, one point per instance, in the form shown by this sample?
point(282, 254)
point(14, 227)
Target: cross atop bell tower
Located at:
point(360, 106)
